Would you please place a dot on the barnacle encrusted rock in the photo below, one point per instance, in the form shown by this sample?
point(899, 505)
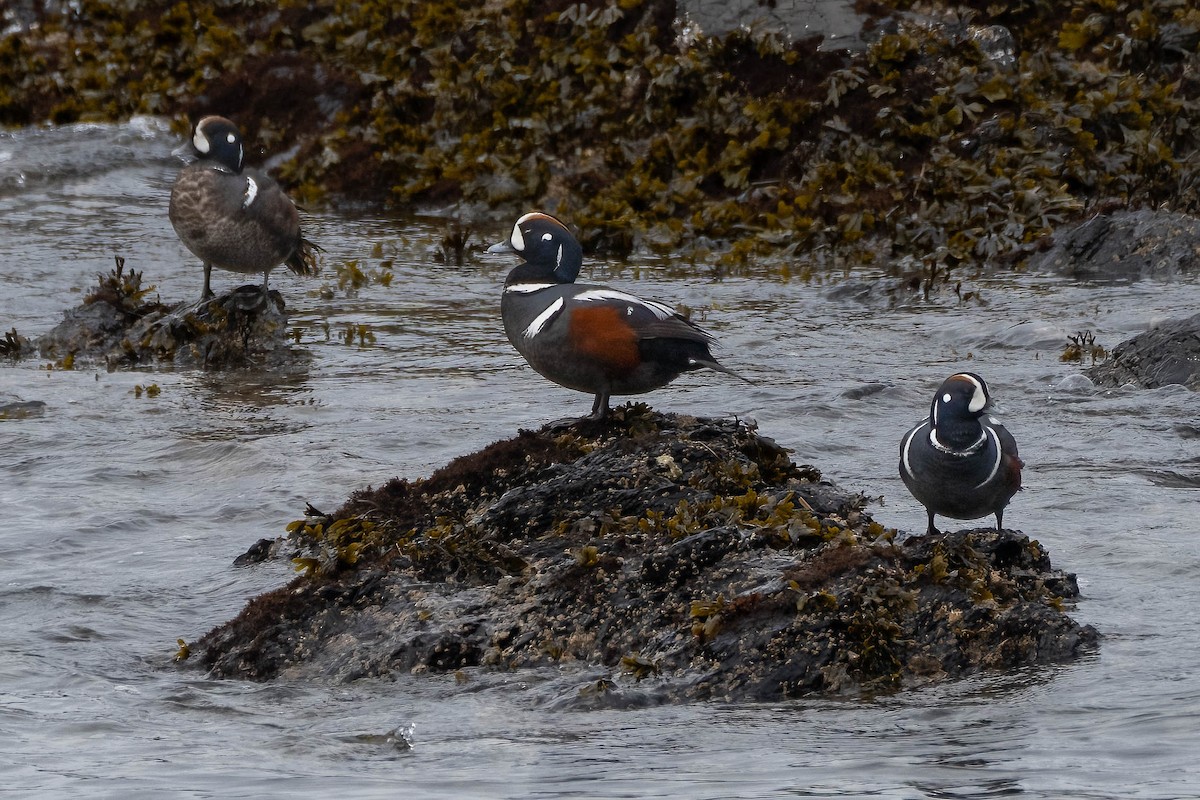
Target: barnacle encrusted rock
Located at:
point(1166, 354)
point(118, 325)
point(685, 558)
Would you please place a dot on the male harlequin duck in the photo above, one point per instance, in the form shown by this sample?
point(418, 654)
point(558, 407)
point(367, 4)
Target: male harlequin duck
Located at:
point(232, 217)
point(590, 338)
point(959, 463)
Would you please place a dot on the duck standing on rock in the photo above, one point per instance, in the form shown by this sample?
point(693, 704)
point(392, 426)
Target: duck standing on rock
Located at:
point(234, 217)
point(590, 338)
point(959, 463)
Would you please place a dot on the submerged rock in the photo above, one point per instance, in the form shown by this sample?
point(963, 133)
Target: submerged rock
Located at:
point(15, 408)
point(689, 556)
point(117, 325)
point(1125, 245)
point(1166, 354)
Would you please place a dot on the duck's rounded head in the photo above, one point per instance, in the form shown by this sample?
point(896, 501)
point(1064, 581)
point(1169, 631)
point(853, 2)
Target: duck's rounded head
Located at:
point(961, 397)
point(217, 139)
point(550, 251)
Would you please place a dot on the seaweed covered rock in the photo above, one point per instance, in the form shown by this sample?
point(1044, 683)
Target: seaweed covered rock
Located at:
point(1124, 245)
point(686, 558)
point(960, 133)
point(1166, 354)
point(117, 325)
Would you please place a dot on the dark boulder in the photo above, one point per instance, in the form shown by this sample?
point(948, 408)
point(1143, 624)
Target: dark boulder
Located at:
point(117, 325)
point(1124, 245)
point(654, 558)
point(1166, 354)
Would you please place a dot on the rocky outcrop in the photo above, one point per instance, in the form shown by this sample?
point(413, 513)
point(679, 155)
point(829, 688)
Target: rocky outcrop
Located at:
point(118, 326)
point(683, 558)
point(1166, 354)
point(1124, 245)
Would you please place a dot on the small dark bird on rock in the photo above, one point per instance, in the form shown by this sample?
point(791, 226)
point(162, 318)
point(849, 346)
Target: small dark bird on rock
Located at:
point(590, 338)
point(960, 463)
point(235, 217)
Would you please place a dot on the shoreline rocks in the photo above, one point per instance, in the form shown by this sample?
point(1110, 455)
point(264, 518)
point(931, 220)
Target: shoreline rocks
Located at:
point(1166, 354)
point(684, 558)
point(1124, 246)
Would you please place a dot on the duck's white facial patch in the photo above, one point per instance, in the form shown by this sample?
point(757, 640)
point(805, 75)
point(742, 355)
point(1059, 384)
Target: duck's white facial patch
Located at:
point(517, 240)
point(979, 397)
point(251, 193)
point(542, 319)
point(200, 141)
point(558, 258)
point(945, 399)
point(231, 138)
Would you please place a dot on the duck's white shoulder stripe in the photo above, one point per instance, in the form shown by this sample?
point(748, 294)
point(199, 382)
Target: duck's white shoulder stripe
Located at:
point(600, 295)
point(995, 464)
point(908, 440)
point(542, 319)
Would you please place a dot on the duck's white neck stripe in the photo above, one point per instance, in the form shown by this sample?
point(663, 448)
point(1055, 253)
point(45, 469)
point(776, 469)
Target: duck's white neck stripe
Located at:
point(966, 451)
point(527, 288)
point(251, 193)
point(542, 319)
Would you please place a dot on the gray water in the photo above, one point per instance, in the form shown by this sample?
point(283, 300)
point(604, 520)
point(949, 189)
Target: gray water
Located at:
point(122, 515)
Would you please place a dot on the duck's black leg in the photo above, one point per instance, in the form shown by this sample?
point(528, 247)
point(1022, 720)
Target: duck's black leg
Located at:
point(932, 530)
point(208, 292)
point(600, 407)
point(999, 519)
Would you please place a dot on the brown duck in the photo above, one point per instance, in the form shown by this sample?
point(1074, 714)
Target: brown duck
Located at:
point(235, 217)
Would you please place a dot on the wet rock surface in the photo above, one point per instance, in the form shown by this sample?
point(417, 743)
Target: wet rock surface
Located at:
point(683, 558)
point(1166, 354)
point(118, 326)
point(1124, 245)
point(16, 408)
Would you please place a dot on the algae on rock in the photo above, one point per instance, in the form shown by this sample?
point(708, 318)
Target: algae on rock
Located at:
point(688, 558)
point(116, 324)
point(962, 133)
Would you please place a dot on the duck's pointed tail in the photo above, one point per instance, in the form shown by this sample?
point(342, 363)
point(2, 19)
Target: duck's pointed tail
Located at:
point(712, 364)
point(305, 261)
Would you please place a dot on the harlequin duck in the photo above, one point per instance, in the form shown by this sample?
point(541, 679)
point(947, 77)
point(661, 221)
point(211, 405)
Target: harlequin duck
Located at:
point(958, 462)
point(590, 338)
point(232, 217)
